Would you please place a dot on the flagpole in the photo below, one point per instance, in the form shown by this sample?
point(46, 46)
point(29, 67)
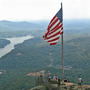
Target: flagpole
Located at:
point(62, 55)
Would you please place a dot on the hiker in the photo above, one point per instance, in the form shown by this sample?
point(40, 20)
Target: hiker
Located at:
point(79, 81)
point(55, 77)
point(59, 82)
point(66, 80)
point(41, 78)
point(49, 76)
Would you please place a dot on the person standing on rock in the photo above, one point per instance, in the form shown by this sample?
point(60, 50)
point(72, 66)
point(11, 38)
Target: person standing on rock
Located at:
point(79, 81)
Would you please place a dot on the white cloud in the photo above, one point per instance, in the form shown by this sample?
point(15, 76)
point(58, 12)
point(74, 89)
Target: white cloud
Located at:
point(42, 9)
point(77, 9)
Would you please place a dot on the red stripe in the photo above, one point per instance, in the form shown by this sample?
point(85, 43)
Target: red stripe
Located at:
point(55, 27)
point(53, 43)
point(58, 27)
point(54, 30)
point(53, 23)
point(45, 36)
point(54, 35)
point(53, 39)
point(61, 31)
point(52, 20)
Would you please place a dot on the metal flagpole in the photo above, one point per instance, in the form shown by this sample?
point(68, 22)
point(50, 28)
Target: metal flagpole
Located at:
point(62, 56)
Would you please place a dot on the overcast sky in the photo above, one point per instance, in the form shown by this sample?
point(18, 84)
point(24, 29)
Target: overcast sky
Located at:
point(19, 10)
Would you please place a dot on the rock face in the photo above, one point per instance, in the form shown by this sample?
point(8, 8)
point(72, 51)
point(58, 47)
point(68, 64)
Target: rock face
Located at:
point(44, 84)
point(39, 88)
point(53, 87)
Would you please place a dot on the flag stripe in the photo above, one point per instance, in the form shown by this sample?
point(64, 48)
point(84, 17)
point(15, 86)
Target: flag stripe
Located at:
point(53, 43)
point(61, 31)
point(53, 39)
point(53, 23)
point(55, 27)
point(52, 31)
point(54, 35)
point(52, 20)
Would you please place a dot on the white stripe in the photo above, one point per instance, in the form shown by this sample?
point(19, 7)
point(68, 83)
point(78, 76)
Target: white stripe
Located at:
point(52, 38)
point(61, 31)
point(54, 33)
point(54, 24)
point(53, 20)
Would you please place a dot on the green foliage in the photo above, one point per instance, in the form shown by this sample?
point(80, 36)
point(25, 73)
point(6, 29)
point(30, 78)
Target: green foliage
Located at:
point(35, 56)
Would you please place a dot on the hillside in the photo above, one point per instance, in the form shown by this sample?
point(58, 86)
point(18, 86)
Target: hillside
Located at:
point(32, 59)
point(67, 86)
point(36, 55)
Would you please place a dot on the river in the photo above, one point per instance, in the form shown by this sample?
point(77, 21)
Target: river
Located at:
point(13, 41)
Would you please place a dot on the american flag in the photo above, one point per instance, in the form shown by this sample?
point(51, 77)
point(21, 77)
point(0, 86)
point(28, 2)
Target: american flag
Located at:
point(55, 29)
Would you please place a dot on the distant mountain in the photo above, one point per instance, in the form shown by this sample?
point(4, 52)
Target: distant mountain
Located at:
point(22, 28)
point(35, 25)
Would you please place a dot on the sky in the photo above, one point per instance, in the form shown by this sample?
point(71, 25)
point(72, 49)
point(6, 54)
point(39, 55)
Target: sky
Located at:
point(26, 10)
